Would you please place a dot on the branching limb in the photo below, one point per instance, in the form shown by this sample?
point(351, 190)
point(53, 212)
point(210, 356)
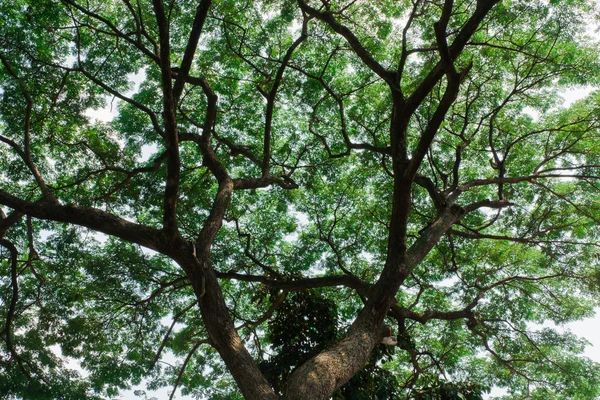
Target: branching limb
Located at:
point(215, 218)
point(7, 221)
point(436, 196)
point(169, 118)
point(454, 50)
point(153, 118)
point(278, 301)
point(250, 255)
point(271, 99)
point(25, 152)
point(91, 218)
point(450, 95)
point(405, 52)
point(13, 303)
point(192, 44)
point(356, 45)
point(136, 43)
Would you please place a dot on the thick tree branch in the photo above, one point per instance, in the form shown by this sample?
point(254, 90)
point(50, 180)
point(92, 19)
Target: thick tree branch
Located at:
point(13, 300)
point(215, 218)
point(284, 182)
point(469, 28)
point(170, 121)
point(452, 87)
point(487, 204)
point(426, 316)
point(91, 218)
point(210, 157)
point(349, 281)
point(437, 198)
point(7, 221)
point(192, 44)
point(327, 371)
point(219, 324)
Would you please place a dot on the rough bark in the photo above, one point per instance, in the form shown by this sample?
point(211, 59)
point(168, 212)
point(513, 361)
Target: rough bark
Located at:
point(329, 370)
point(220, 327)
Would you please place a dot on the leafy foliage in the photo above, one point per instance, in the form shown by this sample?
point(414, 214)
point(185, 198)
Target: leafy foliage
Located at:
point(282, 178)
point(303, 326)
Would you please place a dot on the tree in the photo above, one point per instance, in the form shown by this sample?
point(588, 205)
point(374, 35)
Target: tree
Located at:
point(407, 167)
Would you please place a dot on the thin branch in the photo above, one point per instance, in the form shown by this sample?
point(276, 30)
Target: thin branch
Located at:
point(138, 44)
point(184, 366)
point(359, 49)
point(25, 153)
point(271, 99)
point(166, 337)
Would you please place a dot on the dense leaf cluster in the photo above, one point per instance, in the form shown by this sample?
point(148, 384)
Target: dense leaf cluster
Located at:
point(278, 180)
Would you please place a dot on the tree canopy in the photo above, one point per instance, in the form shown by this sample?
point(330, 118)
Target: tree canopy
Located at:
point(291, 184)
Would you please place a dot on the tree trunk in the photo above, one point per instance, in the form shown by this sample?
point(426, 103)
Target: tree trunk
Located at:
point(323, 374)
